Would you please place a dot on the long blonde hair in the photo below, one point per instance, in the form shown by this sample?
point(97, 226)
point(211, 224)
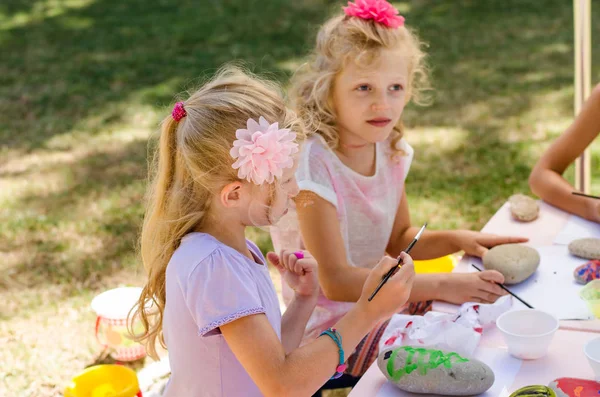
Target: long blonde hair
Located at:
point(340, 40)
point(191, 164)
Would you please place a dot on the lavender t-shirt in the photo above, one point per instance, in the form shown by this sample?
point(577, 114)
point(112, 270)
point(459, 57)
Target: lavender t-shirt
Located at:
point(210, 284)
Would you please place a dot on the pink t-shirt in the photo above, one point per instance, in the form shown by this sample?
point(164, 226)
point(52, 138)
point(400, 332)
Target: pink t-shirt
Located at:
point(366, 208)
point(210, 284)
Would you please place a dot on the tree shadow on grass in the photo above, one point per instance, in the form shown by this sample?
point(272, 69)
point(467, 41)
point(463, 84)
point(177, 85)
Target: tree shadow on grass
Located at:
point(71, 69)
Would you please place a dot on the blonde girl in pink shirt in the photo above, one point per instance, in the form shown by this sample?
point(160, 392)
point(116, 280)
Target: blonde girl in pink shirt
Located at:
point(352, 208)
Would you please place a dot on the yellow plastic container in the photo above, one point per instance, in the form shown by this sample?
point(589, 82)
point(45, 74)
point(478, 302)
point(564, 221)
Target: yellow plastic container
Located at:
point(107, 380)
point(445, 264)
point(591, 295)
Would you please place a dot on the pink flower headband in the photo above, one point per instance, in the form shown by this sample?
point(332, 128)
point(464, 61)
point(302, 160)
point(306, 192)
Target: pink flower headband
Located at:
point(379, 11)
point(262, 151)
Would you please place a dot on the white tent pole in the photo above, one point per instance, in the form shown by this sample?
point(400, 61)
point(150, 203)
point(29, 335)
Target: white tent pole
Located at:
point(583, 63)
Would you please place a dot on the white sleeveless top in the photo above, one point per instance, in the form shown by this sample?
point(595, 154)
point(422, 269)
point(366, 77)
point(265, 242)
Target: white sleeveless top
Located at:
point(366, 208)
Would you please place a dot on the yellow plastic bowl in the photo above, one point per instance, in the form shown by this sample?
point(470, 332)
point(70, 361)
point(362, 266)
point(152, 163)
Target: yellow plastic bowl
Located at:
point(591, 295)
point(445, 264)
point(107, 380)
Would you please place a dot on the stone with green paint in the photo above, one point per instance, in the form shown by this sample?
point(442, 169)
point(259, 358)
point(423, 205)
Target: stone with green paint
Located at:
point(430, 371)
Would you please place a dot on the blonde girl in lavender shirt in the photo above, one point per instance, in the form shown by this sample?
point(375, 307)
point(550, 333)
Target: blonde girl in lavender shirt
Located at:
point(226, 160)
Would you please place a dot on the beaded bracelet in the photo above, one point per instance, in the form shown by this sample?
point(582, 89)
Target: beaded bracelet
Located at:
point(337, 338)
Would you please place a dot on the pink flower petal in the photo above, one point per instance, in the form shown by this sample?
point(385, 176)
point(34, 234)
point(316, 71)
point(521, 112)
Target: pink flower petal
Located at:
point(243, 134)
point(264, 124)
point(252, 126)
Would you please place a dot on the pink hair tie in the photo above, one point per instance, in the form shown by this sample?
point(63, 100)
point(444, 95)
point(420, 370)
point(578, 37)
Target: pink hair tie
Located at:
point(379, 11)
point(299, 254)
point(178, 112)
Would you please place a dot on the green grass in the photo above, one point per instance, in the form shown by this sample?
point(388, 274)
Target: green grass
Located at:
point(84, 83)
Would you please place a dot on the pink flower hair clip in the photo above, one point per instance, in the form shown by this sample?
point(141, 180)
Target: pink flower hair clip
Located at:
point(379, 11)
point(262, 151)
point(178, 112)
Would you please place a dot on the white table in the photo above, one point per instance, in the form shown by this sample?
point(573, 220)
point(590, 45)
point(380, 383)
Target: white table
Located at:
point(565, 357)
point(542, 231)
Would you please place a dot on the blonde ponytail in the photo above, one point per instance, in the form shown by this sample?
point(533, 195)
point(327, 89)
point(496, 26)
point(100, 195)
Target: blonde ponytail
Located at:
point(191, 164)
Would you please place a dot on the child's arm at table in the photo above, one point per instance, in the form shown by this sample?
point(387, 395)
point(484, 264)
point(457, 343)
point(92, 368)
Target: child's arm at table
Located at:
point(434, 244)
point(340, 281)
point(546, 179)
point(322, 236)
point(301, 276)
point(302, 371)
point(456, 287)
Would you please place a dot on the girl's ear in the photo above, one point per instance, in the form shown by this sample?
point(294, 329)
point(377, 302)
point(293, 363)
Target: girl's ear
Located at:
point(231, 194)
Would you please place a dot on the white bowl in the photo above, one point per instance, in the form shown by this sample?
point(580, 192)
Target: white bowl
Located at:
point(527, 332)
point(592, 352)
point(116, 303)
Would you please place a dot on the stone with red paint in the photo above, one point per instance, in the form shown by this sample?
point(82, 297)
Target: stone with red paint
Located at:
point(575, 387)
point(587, 272)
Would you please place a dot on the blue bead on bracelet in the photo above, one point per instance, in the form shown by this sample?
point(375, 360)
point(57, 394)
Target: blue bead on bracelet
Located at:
point(337, 338)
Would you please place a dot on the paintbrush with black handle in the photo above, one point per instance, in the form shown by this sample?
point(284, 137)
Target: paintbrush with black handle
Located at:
point(393, 269)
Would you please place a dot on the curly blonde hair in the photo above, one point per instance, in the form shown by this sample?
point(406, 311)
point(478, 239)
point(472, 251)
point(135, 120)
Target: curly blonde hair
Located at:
point(340, 40)
point(191, 164)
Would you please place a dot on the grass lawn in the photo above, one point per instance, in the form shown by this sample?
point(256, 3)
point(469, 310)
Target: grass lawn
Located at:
point(84, 83)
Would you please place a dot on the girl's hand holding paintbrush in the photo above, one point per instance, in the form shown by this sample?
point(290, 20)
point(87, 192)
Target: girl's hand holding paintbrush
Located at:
point(396, 291)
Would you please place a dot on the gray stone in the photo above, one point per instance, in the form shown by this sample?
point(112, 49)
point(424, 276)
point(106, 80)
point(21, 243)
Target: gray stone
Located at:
point(523, 208)
point(516, 262)
point(430, 371)
point(588, 248)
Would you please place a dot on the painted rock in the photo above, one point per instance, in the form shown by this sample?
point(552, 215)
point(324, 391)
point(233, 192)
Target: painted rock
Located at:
point(523, 208)
point(588, 248)
point(573, 387)
point(516, 262)
point(430, 371)
point(534, 391)
point(587, 272)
